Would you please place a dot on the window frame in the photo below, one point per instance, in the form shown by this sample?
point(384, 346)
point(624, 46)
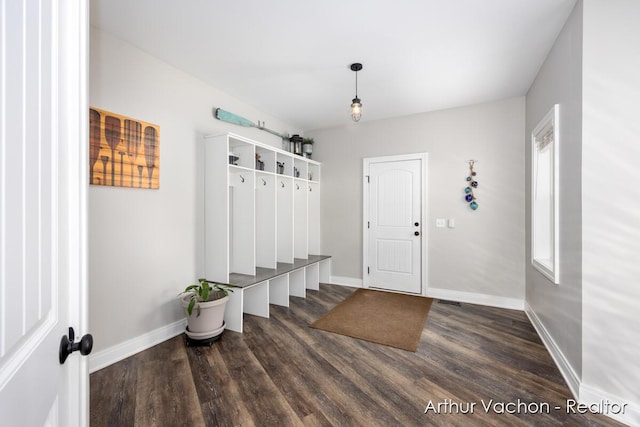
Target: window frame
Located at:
point(551, 268)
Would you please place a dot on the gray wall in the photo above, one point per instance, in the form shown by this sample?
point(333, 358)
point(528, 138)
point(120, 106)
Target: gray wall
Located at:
point(611, 203)
point(145, 246)
point(559, 81)
point(592, 315)
point(484, 254)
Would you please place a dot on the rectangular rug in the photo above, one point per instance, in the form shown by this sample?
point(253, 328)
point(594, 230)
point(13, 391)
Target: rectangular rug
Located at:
point(382, 317)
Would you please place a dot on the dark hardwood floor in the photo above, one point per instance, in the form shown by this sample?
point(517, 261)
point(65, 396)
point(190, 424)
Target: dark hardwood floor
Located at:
point(280, 372)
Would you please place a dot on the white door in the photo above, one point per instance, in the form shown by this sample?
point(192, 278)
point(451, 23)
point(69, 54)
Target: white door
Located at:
point(394, 216)
point(43, 185)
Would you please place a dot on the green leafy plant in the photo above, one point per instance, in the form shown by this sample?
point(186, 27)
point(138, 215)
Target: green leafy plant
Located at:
point(204, 291)
point(307, 141)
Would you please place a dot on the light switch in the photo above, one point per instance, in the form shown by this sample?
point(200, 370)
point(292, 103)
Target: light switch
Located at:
point(440, 222)
point(452, 223)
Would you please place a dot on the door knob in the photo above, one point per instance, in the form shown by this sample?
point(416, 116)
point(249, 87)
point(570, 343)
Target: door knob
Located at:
point(67, 346)
point(416, 224)
point(417, 233)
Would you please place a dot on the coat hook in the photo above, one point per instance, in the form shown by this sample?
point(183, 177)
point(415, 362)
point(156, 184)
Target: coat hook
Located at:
point(297, 187)
point(282, 184)
point(241, 178)
point(309, 188)
point(263, 181)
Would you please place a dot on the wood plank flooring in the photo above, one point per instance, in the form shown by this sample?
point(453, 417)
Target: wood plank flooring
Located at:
point(280, 372)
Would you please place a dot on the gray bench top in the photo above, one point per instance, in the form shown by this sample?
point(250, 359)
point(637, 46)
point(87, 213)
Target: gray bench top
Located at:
point(262, 274)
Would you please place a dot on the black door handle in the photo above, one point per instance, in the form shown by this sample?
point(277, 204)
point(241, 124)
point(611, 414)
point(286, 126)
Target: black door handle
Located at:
point(417, 233)
point(67, 346)
point(416, 224)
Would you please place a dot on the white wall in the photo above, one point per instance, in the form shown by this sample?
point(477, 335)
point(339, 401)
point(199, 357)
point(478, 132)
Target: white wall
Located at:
point(558, 308)
point(484, 254)
point(611, 201)
point(147, 245)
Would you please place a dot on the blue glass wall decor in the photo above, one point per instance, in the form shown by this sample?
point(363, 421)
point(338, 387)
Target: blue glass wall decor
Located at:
point(469, 195)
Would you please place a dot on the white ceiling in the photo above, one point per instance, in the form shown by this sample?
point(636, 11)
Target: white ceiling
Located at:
point(290, 58)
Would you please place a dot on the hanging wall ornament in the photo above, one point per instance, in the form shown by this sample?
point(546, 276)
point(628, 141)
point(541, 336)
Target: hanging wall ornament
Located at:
point(469, 195)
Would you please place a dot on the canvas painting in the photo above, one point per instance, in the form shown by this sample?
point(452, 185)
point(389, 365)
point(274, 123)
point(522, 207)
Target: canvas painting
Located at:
point(123, 152)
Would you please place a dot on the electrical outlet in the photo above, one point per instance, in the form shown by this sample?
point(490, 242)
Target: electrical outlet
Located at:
point(452, 223)
point(440, 222)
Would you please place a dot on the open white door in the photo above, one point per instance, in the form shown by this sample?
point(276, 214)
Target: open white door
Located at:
point(394, 213)
point(43, 186)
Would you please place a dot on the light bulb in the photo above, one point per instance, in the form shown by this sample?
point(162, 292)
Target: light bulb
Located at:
point(356, 109)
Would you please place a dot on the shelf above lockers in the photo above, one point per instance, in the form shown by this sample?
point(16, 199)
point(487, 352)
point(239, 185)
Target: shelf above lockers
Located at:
point(241, 153)
point(284, 164)
point(265, 159)
point(300, 168)
point(313, 173)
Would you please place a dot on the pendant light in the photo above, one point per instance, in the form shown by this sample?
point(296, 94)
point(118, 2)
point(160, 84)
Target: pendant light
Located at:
point(356, 105)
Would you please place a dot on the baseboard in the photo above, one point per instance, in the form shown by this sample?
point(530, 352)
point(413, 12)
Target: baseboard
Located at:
point(618, 409)
point(468, 297)
point(565, 368)
point(121, 351)
point(475, 298)
point(346, 281)
point(584, 393)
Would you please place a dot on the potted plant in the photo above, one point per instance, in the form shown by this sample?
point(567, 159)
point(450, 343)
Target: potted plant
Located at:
point(204, 304)
point(307, 147)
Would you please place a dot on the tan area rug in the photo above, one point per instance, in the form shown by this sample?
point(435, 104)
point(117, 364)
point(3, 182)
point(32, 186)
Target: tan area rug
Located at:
point(385, 318)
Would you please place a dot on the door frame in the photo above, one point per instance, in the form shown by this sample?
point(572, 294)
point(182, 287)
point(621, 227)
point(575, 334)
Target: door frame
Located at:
point(424, 169)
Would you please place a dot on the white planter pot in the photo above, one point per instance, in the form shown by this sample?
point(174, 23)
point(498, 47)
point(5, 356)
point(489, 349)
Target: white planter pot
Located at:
point(210, 322)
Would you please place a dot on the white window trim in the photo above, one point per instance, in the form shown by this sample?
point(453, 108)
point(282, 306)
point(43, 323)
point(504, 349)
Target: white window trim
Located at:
point(551, 272)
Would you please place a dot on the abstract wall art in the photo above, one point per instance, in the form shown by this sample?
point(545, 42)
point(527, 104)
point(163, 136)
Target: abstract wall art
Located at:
point(123, 152)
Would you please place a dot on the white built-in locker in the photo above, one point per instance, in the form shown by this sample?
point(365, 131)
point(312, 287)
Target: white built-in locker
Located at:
point(262, 206)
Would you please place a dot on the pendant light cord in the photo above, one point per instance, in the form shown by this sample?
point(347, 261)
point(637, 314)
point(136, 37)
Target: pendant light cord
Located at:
point(356, 84)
